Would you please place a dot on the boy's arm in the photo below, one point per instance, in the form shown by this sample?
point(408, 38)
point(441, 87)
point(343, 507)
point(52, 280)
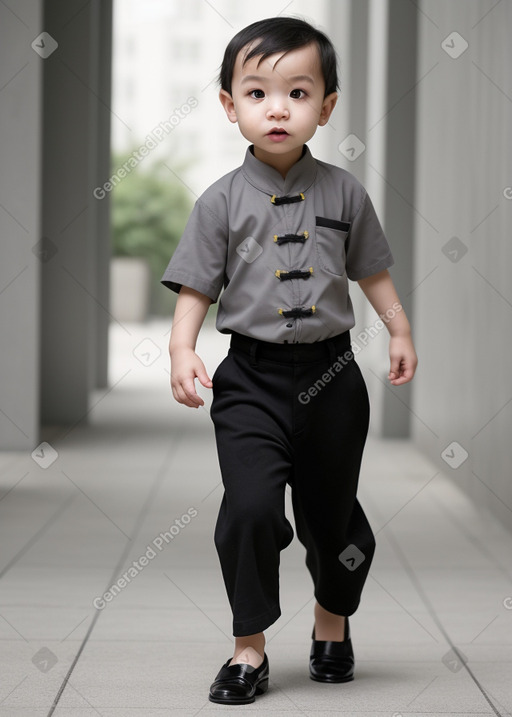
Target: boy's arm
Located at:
point(381, 293)
point(191, 309)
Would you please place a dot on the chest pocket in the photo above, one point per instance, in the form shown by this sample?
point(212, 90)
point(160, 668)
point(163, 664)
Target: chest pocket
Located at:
point(331, 235)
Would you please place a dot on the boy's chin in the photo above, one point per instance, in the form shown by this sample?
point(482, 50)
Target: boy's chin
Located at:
point(278, 148)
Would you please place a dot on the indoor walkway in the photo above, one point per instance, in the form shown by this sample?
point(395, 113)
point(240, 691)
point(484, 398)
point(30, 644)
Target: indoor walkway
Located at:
point(136, 491)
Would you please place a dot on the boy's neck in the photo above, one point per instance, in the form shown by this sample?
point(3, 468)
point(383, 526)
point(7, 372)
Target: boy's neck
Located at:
point(280, 162)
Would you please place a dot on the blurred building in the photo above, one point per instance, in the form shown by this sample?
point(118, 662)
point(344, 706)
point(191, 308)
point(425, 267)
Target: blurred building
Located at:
point(423, 121)
point(166, 58)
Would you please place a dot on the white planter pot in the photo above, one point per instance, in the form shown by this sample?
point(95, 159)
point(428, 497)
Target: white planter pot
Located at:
point(130, 280)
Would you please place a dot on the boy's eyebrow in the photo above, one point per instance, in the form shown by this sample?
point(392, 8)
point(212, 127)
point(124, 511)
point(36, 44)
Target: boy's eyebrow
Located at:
point(302, 78)
point(295, 78)
point(252, 78)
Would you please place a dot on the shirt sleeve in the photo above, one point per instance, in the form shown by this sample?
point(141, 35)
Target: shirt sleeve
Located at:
point(367, 249)
point(200, 258)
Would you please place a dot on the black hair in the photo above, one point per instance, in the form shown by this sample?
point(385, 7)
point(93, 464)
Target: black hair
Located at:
point(279, 34)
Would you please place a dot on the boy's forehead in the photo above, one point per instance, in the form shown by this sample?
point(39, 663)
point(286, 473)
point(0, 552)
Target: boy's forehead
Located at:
point(303, 60)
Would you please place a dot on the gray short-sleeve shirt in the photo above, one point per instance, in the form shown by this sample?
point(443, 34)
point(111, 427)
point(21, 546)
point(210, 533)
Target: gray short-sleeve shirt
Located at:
point(277, 253)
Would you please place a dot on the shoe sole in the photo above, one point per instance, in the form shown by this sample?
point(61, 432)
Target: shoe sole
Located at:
point(260, 689)
point(343, 679)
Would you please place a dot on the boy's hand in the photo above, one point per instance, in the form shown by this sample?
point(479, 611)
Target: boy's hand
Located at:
point(403, 360)
point(185, 367)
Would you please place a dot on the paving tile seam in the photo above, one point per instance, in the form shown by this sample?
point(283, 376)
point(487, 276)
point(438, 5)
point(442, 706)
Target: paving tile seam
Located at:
point(473, 538)
point(162, 471)
point(61, 509)
point(423, 596)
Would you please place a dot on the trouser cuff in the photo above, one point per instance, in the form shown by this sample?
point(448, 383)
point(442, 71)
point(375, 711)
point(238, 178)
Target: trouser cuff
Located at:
point(257, 624)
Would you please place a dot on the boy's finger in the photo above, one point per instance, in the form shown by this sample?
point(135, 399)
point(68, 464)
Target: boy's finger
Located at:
point(394, 367)
point(190, 391)
point(404, 376)
point(205, 379)
point(180, 396)
point(185, 400)
point(408, 372)
point(399, 381)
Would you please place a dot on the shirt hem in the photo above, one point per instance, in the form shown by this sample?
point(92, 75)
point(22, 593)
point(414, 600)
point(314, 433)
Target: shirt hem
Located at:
point(373, 269)
point(175, 280)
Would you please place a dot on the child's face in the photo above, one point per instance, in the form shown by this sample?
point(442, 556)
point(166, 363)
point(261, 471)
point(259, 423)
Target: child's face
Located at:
point(279, 104)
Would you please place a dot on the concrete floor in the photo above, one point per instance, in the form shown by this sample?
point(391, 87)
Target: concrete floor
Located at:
point(432, 636)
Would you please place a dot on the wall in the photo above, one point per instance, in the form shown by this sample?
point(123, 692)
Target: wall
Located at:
point(376, 41)
point(54, 132)
point(433, 109)
point(20, 267)
point(463, 256)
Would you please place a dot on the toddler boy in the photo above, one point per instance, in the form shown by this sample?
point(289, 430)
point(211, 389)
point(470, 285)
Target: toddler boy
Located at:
point(281, 235)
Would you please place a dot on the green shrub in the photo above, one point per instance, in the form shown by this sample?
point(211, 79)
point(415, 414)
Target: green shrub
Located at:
point(149, 210)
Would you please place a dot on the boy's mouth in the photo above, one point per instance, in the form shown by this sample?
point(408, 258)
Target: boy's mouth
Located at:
point(277, 134)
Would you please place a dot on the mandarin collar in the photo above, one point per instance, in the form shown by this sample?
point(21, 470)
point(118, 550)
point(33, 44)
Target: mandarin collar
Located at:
point(267, 179)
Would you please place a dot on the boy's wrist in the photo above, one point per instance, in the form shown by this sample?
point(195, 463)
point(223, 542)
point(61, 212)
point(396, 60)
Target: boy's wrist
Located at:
point(401, 333)
point(177, 348)
point(400, 328)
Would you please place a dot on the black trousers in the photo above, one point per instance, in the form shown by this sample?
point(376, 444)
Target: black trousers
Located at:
point(293, 414)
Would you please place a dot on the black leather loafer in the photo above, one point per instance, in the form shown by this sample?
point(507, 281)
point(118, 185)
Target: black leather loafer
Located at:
point(240, 683)
point(331, 661)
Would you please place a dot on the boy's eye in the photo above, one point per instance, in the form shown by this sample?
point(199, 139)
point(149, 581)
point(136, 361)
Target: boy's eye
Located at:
point(257, 94)
point(297, 94)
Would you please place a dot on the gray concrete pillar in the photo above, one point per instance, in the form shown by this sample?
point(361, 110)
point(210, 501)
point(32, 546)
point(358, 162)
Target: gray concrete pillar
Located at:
point(347, 28)
point(399, 184)
point(20, 206)
point(101, 52)
point(73, 293)
point(376, 40)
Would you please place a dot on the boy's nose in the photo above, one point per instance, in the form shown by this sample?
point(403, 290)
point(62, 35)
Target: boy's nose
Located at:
point(277, 111)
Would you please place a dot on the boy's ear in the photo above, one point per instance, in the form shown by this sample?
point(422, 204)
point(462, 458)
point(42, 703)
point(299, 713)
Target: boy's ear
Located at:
point(228, 104)
point(327, 107)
